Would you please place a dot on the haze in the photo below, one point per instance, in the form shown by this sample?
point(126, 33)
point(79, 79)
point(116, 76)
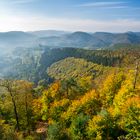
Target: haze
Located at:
point(70, 15)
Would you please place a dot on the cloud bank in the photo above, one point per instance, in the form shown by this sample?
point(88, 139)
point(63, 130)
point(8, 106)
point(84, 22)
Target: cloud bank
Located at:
point(42, 23)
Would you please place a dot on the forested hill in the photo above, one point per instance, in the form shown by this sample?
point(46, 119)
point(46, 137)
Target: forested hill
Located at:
point(34, 64)
point(75, 68)
point(70, 94)
point(84, 101)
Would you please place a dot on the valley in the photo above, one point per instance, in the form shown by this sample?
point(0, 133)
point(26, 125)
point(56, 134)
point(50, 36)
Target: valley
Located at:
point(72, 86)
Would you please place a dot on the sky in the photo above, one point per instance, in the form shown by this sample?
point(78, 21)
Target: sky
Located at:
point(70, 15)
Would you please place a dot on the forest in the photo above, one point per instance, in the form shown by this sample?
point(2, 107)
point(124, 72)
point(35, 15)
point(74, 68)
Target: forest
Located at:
point(71, 94)
point(69, 69)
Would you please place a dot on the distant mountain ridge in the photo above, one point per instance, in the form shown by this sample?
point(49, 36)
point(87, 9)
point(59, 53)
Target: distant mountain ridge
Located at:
point(48, 33)
point(53, 38)
point(14, 39)
point(91, 40)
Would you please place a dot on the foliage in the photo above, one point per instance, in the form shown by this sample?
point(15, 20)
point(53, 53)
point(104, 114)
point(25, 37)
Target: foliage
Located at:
point(86, 101)
point(78, 126)
point(32, 64)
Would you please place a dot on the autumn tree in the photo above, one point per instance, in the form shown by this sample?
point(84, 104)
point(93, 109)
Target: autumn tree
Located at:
point(19, 94)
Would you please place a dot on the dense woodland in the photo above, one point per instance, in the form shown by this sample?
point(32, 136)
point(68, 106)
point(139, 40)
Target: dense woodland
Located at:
point(71, 94)
point(32, 64)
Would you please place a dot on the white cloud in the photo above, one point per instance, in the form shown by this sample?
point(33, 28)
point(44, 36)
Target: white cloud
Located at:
point(42, 23)
point(21, 1)
point(118, 4)
point(116, 7)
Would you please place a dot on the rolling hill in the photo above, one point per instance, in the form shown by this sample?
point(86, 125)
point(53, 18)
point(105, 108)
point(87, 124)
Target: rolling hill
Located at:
point(58, 39)
point(74, 68)
point(48, 33)
point(93, 41)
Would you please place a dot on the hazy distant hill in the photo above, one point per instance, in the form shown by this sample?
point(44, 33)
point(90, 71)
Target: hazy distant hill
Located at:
point(118, 38)
point(14, 39)
point(52, 38)
point(76, 39)
point(93, 41)
point(15, 36)
point(48, 33)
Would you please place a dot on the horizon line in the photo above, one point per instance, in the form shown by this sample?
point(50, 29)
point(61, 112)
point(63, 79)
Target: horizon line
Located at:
point(61, 30)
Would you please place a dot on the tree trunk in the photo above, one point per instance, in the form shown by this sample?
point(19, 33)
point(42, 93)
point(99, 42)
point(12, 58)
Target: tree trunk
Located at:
point(136, 75)
point(15, 111)
point(26, 107)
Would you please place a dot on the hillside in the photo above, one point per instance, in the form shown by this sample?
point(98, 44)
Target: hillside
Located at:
point(32, 64)
point(69, 69)
point(13, 37)
point(58, 39)
point(124, 46)
point(93, 41)
point(48, 33)
point(9, 41)
point(74, 68)
point(70, 93)
point(84, 101)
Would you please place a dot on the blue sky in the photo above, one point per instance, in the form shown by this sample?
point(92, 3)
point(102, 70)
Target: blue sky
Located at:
point(71, 15)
